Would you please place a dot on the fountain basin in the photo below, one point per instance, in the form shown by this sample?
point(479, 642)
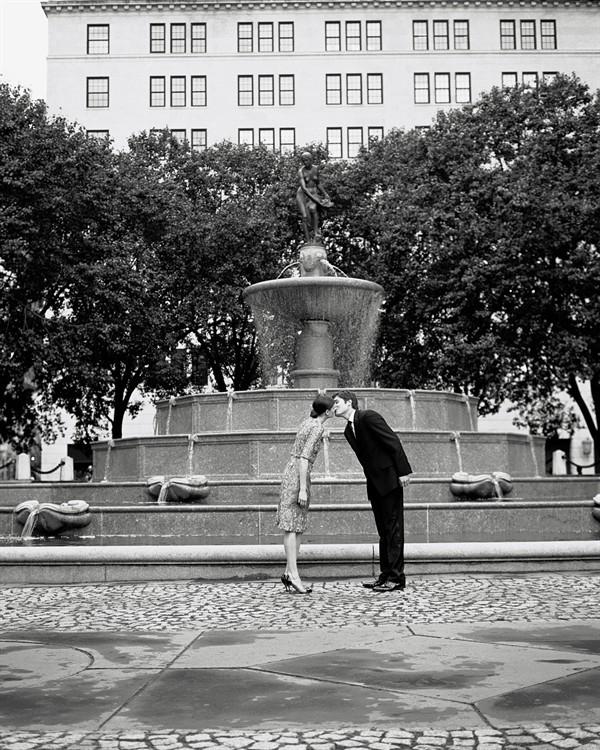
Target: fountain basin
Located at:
point(331, 298)
point(280, 409)
point(325, 326)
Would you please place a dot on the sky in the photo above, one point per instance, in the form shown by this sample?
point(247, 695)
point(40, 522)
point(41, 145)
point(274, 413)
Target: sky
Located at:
point(23, 45)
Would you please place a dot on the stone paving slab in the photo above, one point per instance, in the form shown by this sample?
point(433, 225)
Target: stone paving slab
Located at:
point(461, 662)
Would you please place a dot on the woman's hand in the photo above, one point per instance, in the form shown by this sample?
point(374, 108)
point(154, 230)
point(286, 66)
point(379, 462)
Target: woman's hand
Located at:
point(302, 498)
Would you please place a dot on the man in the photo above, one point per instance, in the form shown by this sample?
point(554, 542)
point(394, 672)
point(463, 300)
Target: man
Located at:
point(386, 468)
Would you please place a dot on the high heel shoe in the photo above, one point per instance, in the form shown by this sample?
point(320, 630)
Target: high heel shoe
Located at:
point(297, 588)
point(285, 579)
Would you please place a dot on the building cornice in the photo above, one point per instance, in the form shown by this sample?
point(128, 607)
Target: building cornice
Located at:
point(132, 6)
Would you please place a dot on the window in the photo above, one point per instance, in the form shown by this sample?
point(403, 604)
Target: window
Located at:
point(333, 88)
point(548, 34)
point(462, 88)
point(246, 136)
point(266, 137)
point(97, 92)
point(286, 36)
point(548, 76)
point(441, 35)
point(179, 135)
point(266, 91)
point(245, 91)
point(355, 141)
point(442, 88)
point(461, 35)
point(158, 90)
point(353, 88)
point(374, 88)
point(374, 36)
point(157, 37)
point(178, 38)
point(333, 36)
point(421, 88)
point(98, 39)
point(509, 80)
point(530, 80)
point(178, 91)
point(527, 34)
point(374, 134)
point(198, 38)
point(99, 135)
point(198, 140)
point(420, 35)
point(287, 140)
point(352, 36)
point(265, 37)
point(198, 91)
point(287, 95)
point(508, 35)
point(334, 143)
point(245, 38)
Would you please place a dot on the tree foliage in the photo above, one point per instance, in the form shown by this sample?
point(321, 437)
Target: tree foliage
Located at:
point(483, 231)
point(486, 229)
point(52, 180)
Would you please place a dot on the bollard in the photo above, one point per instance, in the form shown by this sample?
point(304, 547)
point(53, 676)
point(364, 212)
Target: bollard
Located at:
point(559, 464)
point(67, 473)
point(23, 468)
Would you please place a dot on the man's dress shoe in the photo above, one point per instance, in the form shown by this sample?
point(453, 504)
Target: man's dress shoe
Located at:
point(390, 586)
point(376, 582)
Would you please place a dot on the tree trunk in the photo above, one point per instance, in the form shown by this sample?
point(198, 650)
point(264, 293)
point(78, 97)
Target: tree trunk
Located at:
point(118, 416)
point(595, 434)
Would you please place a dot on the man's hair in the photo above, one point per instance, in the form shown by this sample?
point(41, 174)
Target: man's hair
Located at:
point(348, 396)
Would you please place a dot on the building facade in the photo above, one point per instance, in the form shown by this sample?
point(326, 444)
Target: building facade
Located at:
point(287, 73)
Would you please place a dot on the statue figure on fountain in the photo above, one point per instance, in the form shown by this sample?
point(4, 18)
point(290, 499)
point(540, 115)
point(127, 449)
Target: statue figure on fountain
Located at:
point(312, 198)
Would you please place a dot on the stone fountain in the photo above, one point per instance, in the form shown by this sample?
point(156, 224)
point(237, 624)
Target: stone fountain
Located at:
point(316, 329)
point(330, 319)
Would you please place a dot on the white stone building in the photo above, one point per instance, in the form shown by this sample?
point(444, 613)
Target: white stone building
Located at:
point(288, 73)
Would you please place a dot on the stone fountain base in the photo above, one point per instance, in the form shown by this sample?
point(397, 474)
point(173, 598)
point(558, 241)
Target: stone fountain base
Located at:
point(249, 435)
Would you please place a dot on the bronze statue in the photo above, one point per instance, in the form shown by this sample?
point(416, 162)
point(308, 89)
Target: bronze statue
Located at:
point(311, 198)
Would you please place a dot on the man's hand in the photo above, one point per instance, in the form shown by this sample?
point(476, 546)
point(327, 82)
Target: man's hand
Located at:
point(404, 481)
point(302, 498)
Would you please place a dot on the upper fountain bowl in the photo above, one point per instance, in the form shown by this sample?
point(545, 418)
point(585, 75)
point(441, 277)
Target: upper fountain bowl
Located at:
point(331, 298)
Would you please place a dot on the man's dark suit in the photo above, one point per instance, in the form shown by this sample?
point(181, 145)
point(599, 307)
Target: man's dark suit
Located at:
point(382, 457)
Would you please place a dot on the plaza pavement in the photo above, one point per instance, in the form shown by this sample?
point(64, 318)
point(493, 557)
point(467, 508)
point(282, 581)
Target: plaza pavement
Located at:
point(463, 662)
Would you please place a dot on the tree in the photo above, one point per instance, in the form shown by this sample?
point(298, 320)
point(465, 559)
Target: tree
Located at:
point(486, 230)
point(244, 211)
point(52, 182)
point(130, 308)
point(184, 234)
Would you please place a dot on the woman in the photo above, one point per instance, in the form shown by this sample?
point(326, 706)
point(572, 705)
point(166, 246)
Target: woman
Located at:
point(294, 494)
point(311, 197)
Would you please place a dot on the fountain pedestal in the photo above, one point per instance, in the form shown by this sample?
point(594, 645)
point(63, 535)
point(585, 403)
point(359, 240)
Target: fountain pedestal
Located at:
point(314, 357)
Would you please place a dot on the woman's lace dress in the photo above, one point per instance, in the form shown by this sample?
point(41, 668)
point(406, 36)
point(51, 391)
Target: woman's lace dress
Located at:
point(290, 516)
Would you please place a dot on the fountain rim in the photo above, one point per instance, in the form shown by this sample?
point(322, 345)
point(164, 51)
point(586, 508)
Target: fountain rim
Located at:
point(312, 282)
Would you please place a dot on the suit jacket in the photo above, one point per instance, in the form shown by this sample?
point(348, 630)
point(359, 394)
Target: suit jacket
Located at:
point(378, 449)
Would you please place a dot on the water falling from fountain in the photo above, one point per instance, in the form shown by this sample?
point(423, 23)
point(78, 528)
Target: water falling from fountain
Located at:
point(282, 308)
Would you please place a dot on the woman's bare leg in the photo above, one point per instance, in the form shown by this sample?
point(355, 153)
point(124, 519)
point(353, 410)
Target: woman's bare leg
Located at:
point(291, 553)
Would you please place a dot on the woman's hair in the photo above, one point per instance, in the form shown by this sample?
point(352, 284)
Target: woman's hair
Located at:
point(320, 405)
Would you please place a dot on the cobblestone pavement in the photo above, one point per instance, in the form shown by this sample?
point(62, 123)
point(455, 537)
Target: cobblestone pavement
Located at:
point(179, 606)
point(176, 606)
point(540, 737)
